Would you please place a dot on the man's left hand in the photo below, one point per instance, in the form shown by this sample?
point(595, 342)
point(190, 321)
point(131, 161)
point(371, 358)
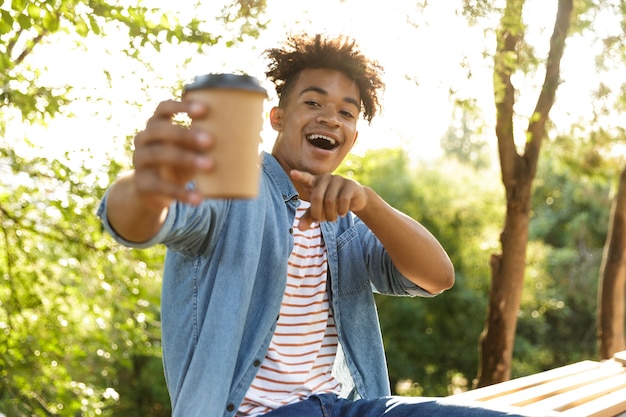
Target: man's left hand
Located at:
point(331, 196)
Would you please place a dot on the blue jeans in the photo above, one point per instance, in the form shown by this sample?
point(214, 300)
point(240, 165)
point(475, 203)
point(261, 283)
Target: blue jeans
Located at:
point(329, 405)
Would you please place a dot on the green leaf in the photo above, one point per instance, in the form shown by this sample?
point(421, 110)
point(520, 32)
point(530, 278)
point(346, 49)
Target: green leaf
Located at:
point(18, 5)
point(24, 21)
point(165, 23)
point(50, 22)
point(6, 23)
point(95, 28)
point(81, 28)
point(34, 11)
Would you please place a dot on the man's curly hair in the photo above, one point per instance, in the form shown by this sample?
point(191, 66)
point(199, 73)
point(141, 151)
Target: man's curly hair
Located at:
point(301, 52)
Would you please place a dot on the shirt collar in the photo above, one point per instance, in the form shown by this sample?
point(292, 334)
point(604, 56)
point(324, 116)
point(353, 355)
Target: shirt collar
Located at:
point(278, 175)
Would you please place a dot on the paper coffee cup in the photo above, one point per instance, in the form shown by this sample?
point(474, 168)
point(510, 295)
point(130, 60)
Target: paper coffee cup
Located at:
point(235, 120)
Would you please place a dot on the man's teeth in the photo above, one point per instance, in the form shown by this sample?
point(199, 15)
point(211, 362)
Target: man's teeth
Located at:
point(322, 141)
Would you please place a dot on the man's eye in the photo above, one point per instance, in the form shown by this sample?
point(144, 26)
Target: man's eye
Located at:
point(348, 114)
point(311, 103)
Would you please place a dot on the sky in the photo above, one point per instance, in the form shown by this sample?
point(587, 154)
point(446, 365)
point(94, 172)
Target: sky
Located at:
point(421, 51)
point(416, 109)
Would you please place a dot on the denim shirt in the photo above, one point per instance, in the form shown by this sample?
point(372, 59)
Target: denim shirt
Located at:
point(223, 282)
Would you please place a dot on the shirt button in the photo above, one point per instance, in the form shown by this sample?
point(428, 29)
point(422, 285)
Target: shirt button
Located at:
point(256, 363)
point(291, 230)
point(230, 407)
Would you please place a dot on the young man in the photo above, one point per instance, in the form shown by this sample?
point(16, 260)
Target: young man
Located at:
point(267, 304)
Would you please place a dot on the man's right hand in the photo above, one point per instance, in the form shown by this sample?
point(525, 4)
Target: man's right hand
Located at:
point(166, 158)
point(168, 155)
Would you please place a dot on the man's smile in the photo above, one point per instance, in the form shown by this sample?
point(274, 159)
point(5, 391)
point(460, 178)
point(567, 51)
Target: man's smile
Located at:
point(322, 141)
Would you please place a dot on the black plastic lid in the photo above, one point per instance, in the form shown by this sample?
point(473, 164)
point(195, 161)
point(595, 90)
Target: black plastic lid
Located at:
point(232, 81)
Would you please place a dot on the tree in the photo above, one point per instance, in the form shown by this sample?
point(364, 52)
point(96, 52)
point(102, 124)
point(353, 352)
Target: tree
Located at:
point(612, 282)
point(518, 172)
point(612, 287)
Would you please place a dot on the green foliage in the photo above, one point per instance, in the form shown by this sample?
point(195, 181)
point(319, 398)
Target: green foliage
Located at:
point(244, 16)
point(25, 25)
point(571, 206)
point(433, 342)
point(74, 313)
point(464, 140)
point(79, 315)
point(558, 305)
point(476, 10)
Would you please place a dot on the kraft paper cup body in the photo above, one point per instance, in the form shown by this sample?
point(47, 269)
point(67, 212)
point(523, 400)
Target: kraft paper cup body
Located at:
point(235, 120)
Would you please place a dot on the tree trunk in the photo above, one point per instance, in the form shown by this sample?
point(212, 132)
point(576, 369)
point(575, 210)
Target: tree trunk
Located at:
point(612, 283)
point(518, 172)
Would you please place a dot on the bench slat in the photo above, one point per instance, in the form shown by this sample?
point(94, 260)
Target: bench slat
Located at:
point(608, 405)
point(561, 385)
point(583, 394)
point(586, 388)
point(514, 385)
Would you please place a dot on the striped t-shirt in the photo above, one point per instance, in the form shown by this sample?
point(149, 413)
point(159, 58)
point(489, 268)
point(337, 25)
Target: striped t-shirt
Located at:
point(302, 351)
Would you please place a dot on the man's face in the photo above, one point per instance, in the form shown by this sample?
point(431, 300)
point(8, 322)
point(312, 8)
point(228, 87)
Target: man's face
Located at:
point(316, 124)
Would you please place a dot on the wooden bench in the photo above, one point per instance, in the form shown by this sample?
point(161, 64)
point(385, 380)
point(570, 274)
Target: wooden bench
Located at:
point(582, 389)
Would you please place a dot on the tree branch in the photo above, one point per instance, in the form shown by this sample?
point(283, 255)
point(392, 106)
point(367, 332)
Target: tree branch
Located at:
point(11, 44)
point(28, 49)
point(505, 64)
point(9, 270)
point(537, 124)
point(63, 236)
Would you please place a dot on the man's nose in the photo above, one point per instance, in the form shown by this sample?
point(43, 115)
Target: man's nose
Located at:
point(329, 117)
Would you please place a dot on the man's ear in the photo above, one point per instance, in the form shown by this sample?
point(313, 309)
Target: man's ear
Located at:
point(276, 118)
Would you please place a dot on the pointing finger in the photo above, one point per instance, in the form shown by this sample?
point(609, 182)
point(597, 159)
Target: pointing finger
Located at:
point(302, 177)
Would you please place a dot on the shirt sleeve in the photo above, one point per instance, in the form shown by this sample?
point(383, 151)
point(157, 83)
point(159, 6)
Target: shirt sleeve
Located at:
point(384, 276)
point(188, 229)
